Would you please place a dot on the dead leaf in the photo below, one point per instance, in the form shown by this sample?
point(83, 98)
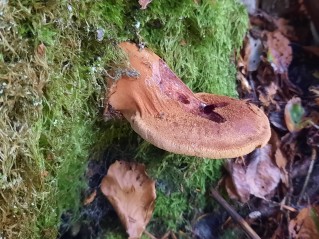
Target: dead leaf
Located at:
point(238, 178)
point(259, 178)
point(253, 51)
point(90, 198)
point(279, 51)
point(305, 225)
point(294, 113)
point(144, 3)
point(41, 50)
point(244, 84)
point(262, 172)
point(242, 74)
point(279, 233)
point(44, 173)
point(132, 194)
point(268, 94)
point(280, 158)
point(285, 28)
point(315, 91)
point(230, 188)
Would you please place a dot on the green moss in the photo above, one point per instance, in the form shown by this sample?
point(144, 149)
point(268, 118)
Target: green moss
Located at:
point(197, 40)
point(51, 103)
point(169, 210)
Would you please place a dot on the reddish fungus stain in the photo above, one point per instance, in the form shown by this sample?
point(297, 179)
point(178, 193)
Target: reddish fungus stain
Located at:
point(208, 112)
point(183, 98)
point(173, 87)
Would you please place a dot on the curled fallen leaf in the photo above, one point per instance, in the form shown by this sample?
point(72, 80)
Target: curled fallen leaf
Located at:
point(279, 51)
point(90, 198)
point(315, 91)
point(132, 194)
point(279, 156)
point(231, 189)
point(294, 113)
point(259, 178)
point(305, 225)
point(268, 94)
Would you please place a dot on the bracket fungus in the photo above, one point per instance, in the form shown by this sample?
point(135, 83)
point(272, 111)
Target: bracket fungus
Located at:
point(132, 194)
point(166, 113)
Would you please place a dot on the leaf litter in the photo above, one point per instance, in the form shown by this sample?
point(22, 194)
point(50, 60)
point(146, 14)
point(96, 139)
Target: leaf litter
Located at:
point(259, 178)
point(132, 194)
point(276, 186)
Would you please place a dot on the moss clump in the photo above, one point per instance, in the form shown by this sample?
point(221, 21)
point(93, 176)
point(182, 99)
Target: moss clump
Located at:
point(197, 40)
point(169, 210)
point(53, 54)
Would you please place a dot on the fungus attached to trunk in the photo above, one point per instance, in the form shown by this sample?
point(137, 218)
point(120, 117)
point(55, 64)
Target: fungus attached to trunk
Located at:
point(166, 113)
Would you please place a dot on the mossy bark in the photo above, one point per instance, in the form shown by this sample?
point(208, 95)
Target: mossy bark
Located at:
point(53, 56)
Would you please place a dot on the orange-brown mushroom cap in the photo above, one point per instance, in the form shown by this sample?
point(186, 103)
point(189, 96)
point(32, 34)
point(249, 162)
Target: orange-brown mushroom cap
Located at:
point(166, 113)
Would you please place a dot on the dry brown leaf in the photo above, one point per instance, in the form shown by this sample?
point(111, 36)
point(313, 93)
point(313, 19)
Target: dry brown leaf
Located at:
point(279, 233)
point(305, 226)
point(243, 82)
point(44, 173)
point(90, 198)
point(280, 158)
point(41, 50)
point(294, 114)
point(132, 194)
point(144, 3)
point(268, 94)
point(285, 28)
point(315, 91)
point(262, 174)
point(238, 177)
point(242, 74)
point(281, 162)
point(230, 188)
point(253, 52)
point(279, 51)
point(259, 178)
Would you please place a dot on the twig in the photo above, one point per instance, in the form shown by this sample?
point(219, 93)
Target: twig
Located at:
point(313, 157)
point(173, 235)
point(282, 205)
point(149, 235)
point(166, 235)
point(236, 217)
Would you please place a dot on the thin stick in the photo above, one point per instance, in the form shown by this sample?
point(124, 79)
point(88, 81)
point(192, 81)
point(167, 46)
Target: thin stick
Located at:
point(173, 235)
point(282, 205)
point(313, 157)
point(149, 235)
point(166, 235)
point(236, 217)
